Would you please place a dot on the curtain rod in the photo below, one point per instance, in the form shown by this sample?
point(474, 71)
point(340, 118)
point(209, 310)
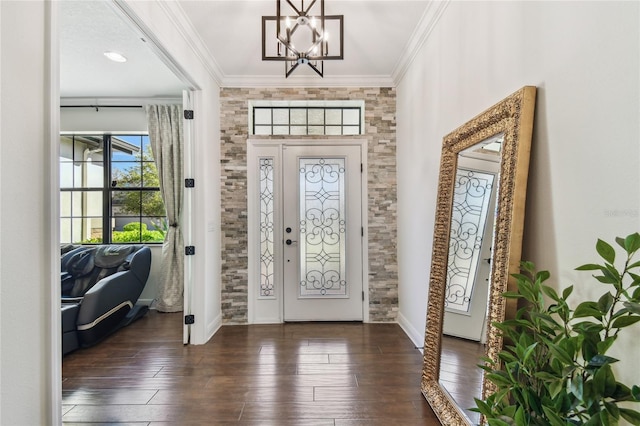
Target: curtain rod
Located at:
point(100, 106)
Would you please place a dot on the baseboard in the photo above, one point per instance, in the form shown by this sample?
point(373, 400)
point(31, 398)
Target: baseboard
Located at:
point(267, 321)
point(147, 302)
point(416, 337)
point(213, 327)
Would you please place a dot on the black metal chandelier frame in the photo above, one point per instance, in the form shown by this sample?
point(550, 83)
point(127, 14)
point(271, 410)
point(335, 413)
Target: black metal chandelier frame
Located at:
point(313, 55)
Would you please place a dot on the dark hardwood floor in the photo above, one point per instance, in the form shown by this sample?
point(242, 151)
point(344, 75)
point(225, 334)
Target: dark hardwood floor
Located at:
point(459, 372)
point(288, 374)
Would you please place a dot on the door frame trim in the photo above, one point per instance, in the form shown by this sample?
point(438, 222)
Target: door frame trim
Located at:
point(275, 147)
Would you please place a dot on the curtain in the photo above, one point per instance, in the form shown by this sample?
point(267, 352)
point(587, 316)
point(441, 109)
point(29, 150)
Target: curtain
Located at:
point(166, 137)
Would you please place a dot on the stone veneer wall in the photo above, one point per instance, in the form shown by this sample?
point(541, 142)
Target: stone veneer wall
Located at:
point(380, 132)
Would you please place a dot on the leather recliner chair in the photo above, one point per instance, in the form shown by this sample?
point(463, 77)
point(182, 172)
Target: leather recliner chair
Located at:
point(100, 288)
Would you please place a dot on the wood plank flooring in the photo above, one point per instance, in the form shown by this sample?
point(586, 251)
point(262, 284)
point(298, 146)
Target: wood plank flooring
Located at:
point(459, 372)
point(339, 374)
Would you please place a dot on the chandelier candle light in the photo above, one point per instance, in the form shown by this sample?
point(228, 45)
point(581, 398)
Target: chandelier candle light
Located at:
point(302, 35)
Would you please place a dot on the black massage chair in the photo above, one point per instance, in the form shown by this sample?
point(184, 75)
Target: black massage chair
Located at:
point(100, 288)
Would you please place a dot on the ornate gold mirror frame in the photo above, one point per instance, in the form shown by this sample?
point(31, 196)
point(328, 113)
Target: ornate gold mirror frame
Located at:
point(513, 119)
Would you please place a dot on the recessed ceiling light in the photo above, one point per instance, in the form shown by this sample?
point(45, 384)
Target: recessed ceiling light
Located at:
point(115, 56)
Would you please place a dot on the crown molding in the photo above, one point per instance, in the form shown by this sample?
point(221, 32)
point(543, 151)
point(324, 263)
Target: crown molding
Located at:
point(427, 23)
point(178, 17)
point(307, 81)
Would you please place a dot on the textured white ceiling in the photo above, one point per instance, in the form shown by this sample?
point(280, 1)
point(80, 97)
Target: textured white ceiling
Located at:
point(377, 34)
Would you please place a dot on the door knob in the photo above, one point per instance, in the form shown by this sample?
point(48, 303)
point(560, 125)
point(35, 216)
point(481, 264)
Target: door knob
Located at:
point(289, 242)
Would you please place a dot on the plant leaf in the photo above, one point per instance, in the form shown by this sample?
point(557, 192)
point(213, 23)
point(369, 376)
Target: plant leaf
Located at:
point(606, 278)
point(542, 276)
point(600, 361)
point(520, 418)
point(625, 321)
point(612, 409)
point(576, 386)
point(483, 407)
point(606, 251)
point(632, 243)
point(554, 419)
point(590, 267)
point(498, 422)
point(560, 353)
point(605, 302)
point(604, 345)
point(588, 309)
point(632, 416)
point(632, 307)
point(567, 292)
point(549, 291)
point(605, 418)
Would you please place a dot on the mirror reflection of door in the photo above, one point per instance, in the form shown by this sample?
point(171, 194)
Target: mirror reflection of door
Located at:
point(469, 269)
point(322, 233)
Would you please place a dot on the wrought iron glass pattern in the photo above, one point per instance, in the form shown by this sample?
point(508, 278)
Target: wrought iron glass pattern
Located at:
point(472, 193)
point(322, 228)
point(267, 289)
point(302, 121)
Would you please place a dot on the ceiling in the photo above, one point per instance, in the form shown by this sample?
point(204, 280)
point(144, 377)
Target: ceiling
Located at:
point(379, 36)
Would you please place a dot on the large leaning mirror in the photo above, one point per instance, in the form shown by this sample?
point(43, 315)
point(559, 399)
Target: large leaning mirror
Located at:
point(476, 247)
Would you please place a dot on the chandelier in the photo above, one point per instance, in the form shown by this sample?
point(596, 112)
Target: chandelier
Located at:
point(300, 36)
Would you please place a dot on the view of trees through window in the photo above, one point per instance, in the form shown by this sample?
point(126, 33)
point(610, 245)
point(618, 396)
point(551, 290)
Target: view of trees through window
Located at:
point(109, 190)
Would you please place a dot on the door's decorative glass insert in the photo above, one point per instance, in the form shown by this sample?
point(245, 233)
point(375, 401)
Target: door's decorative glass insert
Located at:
point(472, 193)
point(266, 228)
point(322, 228)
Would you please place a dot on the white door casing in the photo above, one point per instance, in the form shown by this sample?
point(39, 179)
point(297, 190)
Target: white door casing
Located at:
point(319, 275)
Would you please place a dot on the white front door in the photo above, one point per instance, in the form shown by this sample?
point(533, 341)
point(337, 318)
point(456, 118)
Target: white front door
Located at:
point(322, 233)
point(471, 238)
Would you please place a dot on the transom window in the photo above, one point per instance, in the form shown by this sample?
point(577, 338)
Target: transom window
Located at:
point(301, 118)
point(109, 190)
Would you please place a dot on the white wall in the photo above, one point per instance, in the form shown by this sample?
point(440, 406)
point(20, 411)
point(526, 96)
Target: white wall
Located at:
point(26, 269)
point(29, 381)
point(82, 119)
point(584, 180)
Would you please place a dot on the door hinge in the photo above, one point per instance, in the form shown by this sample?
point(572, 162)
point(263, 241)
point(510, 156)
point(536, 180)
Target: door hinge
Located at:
point(189, 319)
point(363, 296)
point(189, 250)
point(188, 114)
point(189, 183)
point(361, 168)
point(362, 231)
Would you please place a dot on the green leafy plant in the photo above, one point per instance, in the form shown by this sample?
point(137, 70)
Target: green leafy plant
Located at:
point(133, 232)
point(554, 368)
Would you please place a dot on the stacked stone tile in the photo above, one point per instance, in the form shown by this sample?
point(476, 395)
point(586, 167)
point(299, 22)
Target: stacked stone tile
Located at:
point(380, 133)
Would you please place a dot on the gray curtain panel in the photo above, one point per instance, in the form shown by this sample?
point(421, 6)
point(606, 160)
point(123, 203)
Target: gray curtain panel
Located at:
point(166, 137)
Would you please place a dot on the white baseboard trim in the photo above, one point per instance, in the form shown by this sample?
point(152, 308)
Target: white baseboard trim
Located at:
point(416, 337)
point(213, 327)
point(267, 321)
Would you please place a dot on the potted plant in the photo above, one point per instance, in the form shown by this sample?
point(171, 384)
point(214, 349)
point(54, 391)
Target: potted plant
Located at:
point(554, 368)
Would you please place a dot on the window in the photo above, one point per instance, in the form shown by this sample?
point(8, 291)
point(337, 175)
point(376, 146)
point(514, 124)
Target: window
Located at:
point(331, 118)
point(109, 190)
